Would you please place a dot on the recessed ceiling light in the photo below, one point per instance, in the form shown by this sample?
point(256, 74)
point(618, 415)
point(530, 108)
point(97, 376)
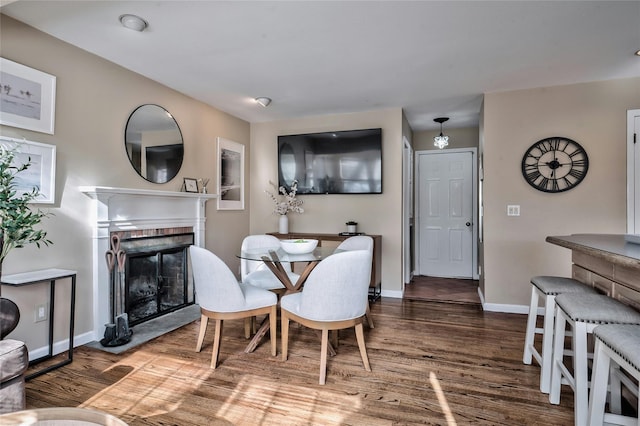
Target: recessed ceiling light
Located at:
point(638, 53)
point(133, 22)
point(264, 101)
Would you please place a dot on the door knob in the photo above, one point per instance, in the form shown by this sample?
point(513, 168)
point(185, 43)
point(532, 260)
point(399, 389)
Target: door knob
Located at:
point(468, 223)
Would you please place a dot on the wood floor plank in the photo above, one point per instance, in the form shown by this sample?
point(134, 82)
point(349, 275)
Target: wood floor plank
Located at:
point(432, 363)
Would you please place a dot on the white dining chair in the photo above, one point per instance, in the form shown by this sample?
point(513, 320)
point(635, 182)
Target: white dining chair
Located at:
point(334, 297)
point(257, 273)
point(221, 297)
point(360, 242)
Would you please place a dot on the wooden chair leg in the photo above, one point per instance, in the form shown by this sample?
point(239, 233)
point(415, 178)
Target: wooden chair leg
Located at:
point(368, 315)
point(203, 329)
point(247, 327)
point(216, 344)
point(363, 348)
point(273, 329)
point(334, 338)
point(284, 319)
point(323, 356)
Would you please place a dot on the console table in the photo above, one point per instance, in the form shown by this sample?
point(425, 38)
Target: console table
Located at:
point(375, 287)
point(605, 261)
point(50, 275)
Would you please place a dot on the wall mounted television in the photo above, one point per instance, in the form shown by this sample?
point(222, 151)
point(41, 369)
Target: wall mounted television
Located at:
point(341, 162)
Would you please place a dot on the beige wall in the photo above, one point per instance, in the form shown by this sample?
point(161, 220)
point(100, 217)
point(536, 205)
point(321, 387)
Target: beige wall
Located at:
point(93, 102)
point(594, 115)
point(375, 213)
point(458, 138)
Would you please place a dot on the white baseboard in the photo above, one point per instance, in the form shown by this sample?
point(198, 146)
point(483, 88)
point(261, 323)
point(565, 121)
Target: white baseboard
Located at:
point(61, 346)
point(391, 293)
point(507, 309)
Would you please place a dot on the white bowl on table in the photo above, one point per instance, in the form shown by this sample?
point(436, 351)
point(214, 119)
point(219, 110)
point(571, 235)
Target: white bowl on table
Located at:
point(299, 246)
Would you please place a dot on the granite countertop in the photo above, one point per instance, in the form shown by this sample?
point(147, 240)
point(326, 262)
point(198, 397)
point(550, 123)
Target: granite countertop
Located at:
point(611, 247)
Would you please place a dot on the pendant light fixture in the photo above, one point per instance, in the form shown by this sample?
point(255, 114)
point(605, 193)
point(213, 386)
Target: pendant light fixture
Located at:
point(441, 141)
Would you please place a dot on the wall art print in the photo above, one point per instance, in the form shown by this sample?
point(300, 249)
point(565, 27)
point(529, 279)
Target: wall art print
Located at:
point(27, 97)
point(41, 174)
point(230, 175)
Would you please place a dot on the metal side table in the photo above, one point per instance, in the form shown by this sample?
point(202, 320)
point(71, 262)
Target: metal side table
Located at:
point(50, 275)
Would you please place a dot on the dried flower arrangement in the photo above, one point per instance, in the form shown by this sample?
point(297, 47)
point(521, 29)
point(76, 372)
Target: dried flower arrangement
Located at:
point(286, 201)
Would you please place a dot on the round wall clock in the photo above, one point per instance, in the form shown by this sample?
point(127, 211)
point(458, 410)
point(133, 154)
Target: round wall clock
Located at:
point(555, 164)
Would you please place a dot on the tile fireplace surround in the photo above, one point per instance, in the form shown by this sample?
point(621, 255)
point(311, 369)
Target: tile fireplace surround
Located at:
point(136, 210)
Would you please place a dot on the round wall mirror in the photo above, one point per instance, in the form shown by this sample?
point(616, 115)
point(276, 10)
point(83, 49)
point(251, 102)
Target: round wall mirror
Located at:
point(153, 142)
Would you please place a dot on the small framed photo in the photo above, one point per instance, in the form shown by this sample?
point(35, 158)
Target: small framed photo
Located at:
point(41, 174)
point(190, 185)
point(27, 97)
point(230, 175)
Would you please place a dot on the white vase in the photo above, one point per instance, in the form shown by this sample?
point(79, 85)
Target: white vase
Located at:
point(283, 224)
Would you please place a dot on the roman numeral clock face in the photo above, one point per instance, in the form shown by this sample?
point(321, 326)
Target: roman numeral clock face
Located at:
point(555, 164)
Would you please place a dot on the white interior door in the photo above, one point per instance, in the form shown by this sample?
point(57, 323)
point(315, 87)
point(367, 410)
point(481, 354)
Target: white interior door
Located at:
point(445, 214)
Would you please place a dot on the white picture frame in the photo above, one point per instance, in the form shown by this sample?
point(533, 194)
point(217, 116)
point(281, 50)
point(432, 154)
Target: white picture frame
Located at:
point(27, 97)
point(230, 175)
point(42, 172)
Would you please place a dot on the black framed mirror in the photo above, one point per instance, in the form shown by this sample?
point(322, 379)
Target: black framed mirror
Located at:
point(153, 142)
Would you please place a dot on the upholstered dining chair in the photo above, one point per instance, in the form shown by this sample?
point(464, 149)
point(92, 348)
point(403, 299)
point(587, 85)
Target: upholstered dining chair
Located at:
point(221, 297)
point(360, 242)
point(334, 297)
point(257, 273)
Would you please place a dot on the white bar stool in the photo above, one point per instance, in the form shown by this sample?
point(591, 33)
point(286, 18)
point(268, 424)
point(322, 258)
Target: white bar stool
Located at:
point(547, 288)
point(620, 344)
point(583, 313)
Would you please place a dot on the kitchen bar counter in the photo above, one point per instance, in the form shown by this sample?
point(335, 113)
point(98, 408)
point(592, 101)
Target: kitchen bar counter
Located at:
point(607, 262)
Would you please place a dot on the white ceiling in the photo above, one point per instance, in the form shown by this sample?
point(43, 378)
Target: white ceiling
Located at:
point(431, 58)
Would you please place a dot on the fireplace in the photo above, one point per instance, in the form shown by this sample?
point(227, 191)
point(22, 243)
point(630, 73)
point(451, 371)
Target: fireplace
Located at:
point(156, 276)
point(134, 213)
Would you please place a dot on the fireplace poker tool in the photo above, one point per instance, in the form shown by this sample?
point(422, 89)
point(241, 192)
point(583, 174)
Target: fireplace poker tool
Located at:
point(120, 258)
point(111, 260)
point(117, 332)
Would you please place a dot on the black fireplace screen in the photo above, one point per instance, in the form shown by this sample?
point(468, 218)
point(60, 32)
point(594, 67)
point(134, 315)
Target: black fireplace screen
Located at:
point(156, 273)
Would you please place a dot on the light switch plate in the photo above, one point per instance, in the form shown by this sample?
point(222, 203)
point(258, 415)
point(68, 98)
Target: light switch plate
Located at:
point(41, 312)
point(513, 210)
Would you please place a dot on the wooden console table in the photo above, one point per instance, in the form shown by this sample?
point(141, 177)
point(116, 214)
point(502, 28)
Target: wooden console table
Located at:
point(375, 287)
point(50, 275)
point(607, 262)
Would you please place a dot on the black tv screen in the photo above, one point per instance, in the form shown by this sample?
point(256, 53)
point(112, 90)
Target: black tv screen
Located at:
point(343, 162)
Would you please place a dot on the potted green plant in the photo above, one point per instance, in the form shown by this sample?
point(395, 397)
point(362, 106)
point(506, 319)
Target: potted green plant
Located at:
point(18, 221)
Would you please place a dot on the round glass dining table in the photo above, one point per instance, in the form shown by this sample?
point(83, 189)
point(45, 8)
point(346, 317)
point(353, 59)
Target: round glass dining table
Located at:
point(274, 258)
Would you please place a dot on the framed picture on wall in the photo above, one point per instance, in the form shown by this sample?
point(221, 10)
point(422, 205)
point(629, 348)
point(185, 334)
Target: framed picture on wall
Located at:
point(41, 174)
point(230, 175)
point(190, 185)
point(27, 97)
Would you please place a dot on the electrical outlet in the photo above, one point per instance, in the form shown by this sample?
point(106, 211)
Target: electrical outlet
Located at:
point(41, 312)
point(513, 210)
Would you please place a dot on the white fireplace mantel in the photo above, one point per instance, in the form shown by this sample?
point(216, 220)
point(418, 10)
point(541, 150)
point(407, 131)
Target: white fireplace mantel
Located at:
point(127, 209)
point(104, 192)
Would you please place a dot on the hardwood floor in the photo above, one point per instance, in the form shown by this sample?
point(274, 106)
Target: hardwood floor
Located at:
point(451, 290)
point(433, 363)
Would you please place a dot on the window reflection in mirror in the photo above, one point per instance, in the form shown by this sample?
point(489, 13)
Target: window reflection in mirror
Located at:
point(154, 143)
